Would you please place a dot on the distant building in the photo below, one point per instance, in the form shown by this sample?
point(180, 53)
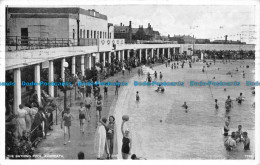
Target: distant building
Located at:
point(123, 32)
point(183, 39)
point(202, 41)
point(227, 42)
point(61, 23)
point(132, 34)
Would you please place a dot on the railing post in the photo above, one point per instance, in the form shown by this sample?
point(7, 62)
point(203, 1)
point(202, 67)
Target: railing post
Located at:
point(62, 42)
point(16, 38)
point(48, 43)
point(55, 43)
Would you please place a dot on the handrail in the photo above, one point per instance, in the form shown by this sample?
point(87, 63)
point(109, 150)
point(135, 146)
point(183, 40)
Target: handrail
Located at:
point(28, 43)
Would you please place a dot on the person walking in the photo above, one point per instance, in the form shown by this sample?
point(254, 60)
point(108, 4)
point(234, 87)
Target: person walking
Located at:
point(99, 104)
point(67, 118)
point(82, 117)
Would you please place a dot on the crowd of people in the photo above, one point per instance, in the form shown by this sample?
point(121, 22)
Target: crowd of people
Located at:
point(34, 120)
point(29, 125)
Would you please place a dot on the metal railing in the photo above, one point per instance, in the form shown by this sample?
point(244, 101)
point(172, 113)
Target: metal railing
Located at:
point(88, 42)
point(30, 43)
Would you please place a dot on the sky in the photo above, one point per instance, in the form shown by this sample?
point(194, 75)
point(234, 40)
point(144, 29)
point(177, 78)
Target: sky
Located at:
point(212, 22)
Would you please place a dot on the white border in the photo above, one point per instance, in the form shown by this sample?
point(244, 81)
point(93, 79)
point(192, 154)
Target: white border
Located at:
point(28, 3)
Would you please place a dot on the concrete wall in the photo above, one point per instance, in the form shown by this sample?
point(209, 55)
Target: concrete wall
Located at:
point(16, 59)
point(112, 31)
point(50, 27)
point(94, 24)
point(184, 47)
point(107, 44)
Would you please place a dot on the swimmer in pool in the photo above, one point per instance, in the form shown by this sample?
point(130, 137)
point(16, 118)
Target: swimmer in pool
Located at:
point(149, 78)
point(137, 96)
point(240, 98)
point(216, 103)
point(228, 103)
point(185, 105)
point(160, 88)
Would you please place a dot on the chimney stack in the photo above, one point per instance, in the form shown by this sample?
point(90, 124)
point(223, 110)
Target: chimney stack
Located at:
point(121, 24)
point(130, 23)
point(226, 38)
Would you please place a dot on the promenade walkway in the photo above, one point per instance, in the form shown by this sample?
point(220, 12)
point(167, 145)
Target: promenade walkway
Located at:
point(53, 146)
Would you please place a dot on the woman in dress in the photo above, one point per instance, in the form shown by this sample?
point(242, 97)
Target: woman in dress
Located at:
point(126, 142)
point(28, 119)
point(21, 112)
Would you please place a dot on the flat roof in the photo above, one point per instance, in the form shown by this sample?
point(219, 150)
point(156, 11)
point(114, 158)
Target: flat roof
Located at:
point(73, 10)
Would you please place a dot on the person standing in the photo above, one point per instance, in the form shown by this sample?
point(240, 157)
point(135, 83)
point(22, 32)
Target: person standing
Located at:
point(126, 142)
point(21, 120)
point(161, 76)
point(137, 96)
point(111, 139)
point(240, 98)
point(105, 90)
point(67, 118)
point(226, 129)
point(216, 103)
point(139, 72)
point(88, 103)
point(246, 141)
point(117, 87)
point(28, 119)
point(100, 138)
point(99, 108)
point(230, 143)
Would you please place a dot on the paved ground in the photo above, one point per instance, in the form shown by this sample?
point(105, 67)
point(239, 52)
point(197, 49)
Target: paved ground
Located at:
point(53, 147)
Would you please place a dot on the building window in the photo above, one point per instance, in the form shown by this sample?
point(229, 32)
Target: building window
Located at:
point(105, 35)
point(84, 34)
point(73, 33)
point(87, 33)
point(100, 34)
point(94, 34)
point(80, 33)
point(110, 35)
